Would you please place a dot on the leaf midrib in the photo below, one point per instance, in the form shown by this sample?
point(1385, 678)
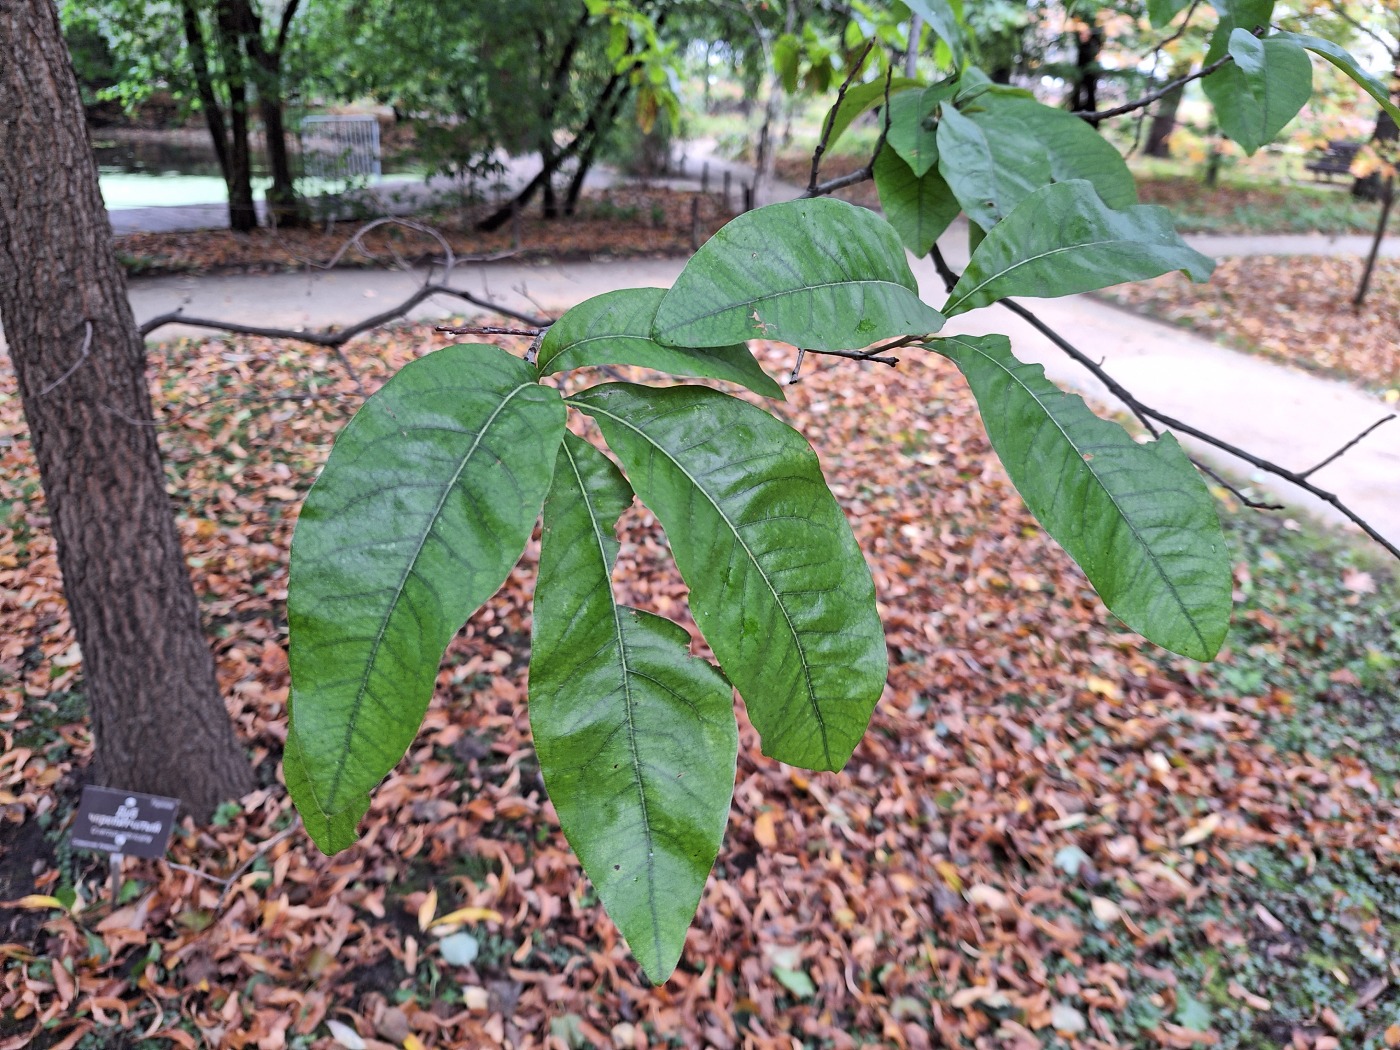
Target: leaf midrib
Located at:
point(614, 337)
point(1151, 554)
point(953, 305)
point(806, 288)
point(359, 700)
point(627, 699)
point(758, 567)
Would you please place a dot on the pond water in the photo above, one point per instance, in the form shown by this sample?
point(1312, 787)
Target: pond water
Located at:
point(147, 173)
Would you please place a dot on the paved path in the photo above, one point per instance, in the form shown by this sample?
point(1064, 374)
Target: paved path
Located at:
point(1282, 414)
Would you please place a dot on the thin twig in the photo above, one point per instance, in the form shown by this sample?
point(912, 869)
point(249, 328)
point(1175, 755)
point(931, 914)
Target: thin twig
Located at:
point(1095, 116)
point(485, 329)
point(830, 122)
point(1233, 489)
point(1181, 29)
point(83, 352)
point(1143, 411)
point(331, 337)
point(864, 174)
point(1347, 447)
point(797, 366)
point(228, 882)
point(857, 355)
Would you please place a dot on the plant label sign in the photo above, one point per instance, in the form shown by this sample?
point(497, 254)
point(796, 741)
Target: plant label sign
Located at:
point(126, 822)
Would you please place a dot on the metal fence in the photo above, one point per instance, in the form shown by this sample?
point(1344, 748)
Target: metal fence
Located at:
point(340, 148)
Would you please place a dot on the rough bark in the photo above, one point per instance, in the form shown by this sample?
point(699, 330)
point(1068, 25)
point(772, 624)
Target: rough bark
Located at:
point(158, 722)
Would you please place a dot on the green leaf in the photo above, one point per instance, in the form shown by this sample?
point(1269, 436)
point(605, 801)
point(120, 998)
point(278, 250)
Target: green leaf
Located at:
point(820, 274)
point(1192, 1013)
point(425, 504)
point(1160, 12)
point(865, 97)
point(785, 59)
point(945, 19)
point(615, 329)
point(908, 136)
point(1136, 517)
point(1258, 93)
point(777, 581)
point(1015, 145)
point(636, 738)
point(1073, 148)
point(1236, 14)
point(1343, 60)
point(920, 209)
point(1064, 239)
point(988, 166)
point(798, 982)
point(331, 832)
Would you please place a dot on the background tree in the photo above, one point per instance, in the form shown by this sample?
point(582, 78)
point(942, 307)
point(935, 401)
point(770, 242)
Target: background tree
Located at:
point(224, 58)
point(158, 722)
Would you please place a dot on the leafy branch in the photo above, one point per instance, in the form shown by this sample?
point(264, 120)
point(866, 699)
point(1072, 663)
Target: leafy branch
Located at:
point(1146, 414)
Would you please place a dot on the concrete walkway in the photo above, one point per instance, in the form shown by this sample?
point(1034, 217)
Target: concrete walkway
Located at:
point(1282, 414)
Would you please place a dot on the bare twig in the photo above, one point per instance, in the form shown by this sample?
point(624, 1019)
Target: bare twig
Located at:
point(858, 355)
point(228, 883)
point(796, 372)
point(1347, 447)
point(1180, 30)
point(332, 337)
point(1233, 489)
point(83, 352)
point(485, 329)
point(1095, 116)
point(821, 189)
point(830, 122)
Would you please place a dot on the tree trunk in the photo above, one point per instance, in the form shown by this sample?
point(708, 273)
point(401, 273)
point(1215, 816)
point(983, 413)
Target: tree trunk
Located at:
point(282, 203)
point(158, 722)
point(1085, 96)
point(242, 215)
point(591, 127)
point(1159, 132)
point(1370, 187)
point(590, 152)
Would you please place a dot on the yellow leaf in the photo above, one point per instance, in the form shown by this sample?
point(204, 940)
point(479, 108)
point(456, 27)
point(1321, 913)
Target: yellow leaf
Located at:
point(1105, 910)
point(1103, 687)
point(950, 874)
point(763, 831)
point(412, 1042)
point(427, 909)
point(468, 915)
point(35, 902)
point(1202, 831)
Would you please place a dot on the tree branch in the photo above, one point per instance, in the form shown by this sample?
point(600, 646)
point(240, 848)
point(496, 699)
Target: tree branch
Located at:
point(1143, 411)
point(830, 122)
point(1096, 116)
point(816, 189)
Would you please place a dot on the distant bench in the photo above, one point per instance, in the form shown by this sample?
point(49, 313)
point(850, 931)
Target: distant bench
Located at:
point(1335, 159)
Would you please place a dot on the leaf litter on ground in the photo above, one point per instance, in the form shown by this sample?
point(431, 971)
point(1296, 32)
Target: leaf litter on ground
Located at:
point(1294, 308)
point(1014, 856)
